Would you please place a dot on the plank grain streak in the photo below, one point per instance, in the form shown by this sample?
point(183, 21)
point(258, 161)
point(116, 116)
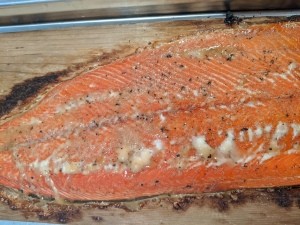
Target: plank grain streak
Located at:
point(34, 54)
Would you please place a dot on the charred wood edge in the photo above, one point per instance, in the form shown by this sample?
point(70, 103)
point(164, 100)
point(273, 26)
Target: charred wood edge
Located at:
point(230, 19)
point(68, 211)
point(295, 18)
point(22, 93)
point(27, 89)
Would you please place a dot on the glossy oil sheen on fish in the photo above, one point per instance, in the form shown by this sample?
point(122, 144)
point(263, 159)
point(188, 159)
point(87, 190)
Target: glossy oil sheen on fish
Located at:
point(214, 111)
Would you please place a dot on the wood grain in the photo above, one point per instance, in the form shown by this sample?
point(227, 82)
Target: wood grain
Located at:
point(258, 211)
point(32, 54)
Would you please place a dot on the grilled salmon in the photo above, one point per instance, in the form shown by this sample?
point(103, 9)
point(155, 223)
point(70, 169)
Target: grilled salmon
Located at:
point(213, 111)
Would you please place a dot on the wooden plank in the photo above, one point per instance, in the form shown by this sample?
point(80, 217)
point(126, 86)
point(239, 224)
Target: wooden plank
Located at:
point(276, 206)
point(263, 214)
point(32, 54)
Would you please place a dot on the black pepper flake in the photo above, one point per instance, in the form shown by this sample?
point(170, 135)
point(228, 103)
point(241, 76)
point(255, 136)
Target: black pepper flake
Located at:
point(157, 181)
point(177, 155)
point(168, 55)
point(96, 124)
point(163, 129)
point(244, 129)
point(230, 57)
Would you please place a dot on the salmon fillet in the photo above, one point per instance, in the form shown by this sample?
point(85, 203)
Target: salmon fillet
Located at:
point(213, 111)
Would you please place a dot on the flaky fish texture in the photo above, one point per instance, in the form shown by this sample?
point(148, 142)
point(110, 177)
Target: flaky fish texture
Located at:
point(214, 111)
